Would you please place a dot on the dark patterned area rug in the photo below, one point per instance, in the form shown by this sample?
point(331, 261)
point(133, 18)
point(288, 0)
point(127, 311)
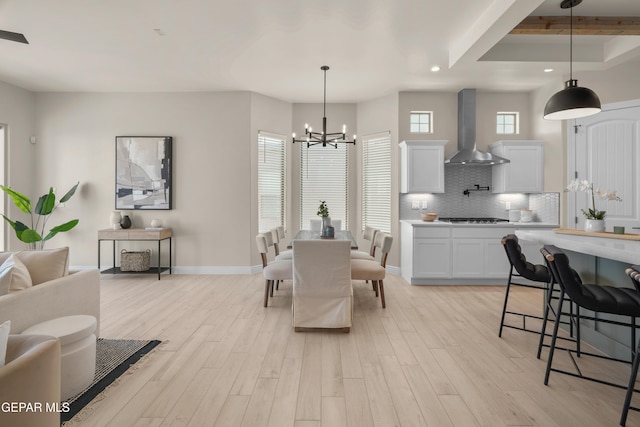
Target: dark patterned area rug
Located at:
point(113, 358)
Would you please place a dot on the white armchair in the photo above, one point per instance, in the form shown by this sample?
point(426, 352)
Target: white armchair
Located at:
point(322, 293)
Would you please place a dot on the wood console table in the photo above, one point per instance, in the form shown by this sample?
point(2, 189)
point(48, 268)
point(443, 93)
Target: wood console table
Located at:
point(135, 234)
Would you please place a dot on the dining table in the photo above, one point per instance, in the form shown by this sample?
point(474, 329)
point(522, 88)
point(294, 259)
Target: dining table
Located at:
point(315, 235)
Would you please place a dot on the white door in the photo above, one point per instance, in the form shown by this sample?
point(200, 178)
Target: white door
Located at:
point(606, 152)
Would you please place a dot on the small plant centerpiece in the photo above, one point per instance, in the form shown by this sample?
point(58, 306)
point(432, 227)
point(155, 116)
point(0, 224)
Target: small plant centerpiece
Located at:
point(33, 235)
point(323, 212)
point(594, 217)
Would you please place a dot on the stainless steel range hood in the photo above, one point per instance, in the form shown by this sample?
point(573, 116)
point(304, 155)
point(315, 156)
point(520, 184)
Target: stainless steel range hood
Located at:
point(467, 153)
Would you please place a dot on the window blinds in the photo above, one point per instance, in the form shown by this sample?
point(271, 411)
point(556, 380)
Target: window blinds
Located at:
point(271, 181)
point(323, 176)
point(376, 181)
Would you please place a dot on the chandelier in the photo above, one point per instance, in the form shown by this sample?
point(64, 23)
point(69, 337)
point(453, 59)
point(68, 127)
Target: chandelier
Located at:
point(573, 101)
point(314, 138)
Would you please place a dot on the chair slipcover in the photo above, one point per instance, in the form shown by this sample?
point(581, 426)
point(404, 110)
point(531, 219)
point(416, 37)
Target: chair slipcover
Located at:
point(278, 237)
point(315, 225)
point(273, 271)
point(363, 269)
point(369, 234)
point(322, 293)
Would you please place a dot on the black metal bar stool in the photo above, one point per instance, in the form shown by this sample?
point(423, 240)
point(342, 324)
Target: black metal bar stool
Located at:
point(634, 273)
point(598, 299)
point(521, 268)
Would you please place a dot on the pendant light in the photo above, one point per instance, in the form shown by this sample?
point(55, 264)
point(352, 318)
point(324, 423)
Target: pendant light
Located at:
point(573, 101)
point(312, 138)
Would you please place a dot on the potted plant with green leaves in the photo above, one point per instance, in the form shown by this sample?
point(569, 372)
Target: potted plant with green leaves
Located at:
point(34, 235)
point(323, 212)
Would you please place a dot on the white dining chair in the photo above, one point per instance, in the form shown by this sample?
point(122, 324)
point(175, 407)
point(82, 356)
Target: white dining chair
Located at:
point(279, 235)
point(336, 224)
point(273, 271)
point(322, 292)
point(369, 234)
point(363, 269)
point(315, 225)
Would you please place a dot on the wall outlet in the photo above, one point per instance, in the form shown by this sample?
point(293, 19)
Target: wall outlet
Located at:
point(415, 204)
point(507, 205)
point(424, 204)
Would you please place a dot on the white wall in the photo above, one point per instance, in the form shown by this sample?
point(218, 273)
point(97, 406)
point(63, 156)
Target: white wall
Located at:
point(17, 112)
point(273, 116)
point(445, 116)
point(212, 168)
point(375, 116)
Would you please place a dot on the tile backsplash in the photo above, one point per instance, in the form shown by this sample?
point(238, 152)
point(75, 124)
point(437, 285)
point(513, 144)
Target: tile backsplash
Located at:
point(454, 203)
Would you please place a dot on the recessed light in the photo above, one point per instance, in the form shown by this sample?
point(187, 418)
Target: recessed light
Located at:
point(548, 70)
point(435, 69)
point(159, 31)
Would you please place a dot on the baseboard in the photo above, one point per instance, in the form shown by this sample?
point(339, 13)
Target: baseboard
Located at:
point(222, 270)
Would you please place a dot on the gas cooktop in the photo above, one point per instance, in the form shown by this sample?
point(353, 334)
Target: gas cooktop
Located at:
point(481, 220)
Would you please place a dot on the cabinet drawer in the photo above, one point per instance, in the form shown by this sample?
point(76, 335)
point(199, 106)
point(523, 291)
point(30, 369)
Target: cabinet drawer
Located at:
point(431, 232)
point(480, 232)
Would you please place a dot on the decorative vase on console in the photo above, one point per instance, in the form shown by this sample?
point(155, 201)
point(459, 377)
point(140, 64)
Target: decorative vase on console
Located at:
point(125, 222)
point(115, 218)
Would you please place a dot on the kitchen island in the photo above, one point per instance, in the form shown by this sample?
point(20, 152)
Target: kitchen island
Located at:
point(460, 253)
point(625, 251)
point(598, 260)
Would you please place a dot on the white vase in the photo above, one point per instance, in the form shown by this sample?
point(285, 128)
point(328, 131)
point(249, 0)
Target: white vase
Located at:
point(594, 225)
point(115, 219)
point(326, 221)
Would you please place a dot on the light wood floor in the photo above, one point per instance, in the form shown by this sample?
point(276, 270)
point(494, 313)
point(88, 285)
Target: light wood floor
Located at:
point(432, 358)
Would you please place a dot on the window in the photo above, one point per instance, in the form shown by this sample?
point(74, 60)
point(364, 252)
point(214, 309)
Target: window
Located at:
point(421, 122)
point(507, 123)
point(376, 181)
point(271, 181)
point(323, 176)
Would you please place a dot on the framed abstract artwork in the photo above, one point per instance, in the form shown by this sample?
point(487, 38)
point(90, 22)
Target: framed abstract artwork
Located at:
point(143, 172)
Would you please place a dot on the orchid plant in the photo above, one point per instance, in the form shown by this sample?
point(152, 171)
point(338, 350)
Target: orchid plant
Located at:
point(586, 186)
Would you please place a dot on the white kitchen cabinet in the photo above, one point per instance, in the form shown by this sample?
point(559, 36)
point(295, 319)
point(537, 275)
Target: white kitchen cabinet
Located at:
point(478, 253)
point(524, 173)
point(432, 258)
point(422, 166)
point(459, 254)
point(425, 252)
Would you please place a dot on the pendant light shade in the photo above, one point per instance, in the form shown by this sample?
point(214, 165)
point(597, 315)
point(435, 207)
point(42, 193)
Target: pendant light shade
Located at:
point(573, 101)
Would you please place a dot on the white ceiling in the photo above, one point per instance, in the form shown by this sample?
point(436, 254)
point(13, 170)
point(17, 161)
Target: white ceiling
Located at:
point(276, 47)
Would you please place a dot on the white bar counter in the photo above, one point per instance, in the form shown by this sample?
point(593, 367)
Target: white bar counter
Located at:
point(626, 251)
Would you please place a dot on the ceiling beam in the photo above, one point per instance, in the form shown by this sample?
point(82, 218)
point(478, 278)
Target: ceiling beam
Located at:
point(582, 25)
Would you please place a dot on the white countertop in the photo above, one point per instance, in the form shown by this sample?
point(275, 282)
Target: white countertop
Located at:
point(420, 223)
point(616, 249)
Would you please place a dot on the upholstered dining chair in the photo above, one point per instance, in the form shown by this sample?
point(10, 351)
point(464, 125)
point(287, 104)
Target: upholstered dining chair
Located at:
point(364, 269)
point(280, 235)
point(272, 271)
point(624, 302)
point(369, 235)
point(315, 224)
point(322, 292)
point(31, 374)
